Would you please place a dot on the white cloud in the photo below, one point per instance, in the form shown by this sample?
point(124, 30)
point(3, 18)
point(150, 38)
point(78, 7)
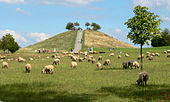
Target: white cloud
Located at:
point(17, 36)
point(119, 31)
point(153, 3)
point(166, 19)
point(69, 2)
point(38, 36)
point(12, 1)
point(22, 11)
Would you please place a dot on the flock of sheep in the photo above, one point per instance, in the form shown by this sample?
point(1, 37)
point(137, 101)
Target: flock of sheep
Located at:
point(75, 58)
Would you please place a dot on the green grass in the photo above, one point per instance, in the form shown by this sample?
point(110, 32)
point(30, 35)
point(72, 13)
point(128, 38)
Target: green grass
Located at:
point(85, 83)
point(63, 41)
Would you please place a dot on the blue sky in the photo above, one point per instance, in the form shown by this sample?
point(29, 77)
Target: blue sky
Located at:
point(31, 21)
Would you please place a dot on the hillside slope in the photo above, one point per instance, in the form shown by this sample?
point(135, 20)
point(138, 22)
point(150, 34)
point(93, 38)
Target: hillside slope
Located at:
point(63, 41)
point(100, 40)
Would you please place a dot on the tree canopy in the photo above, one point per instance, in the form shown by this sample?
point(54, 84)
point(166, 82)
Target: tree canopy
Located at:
point(8, 43)
point(144, 26)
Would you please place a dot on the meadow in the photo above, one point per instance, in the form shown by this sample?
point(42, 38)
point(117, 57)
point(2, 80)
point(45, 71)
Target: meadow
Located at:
point(85, 83)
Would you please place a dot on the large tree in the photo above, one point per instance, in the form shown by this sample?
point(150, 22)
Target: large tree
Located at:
point(144, 26)
point(8, 43)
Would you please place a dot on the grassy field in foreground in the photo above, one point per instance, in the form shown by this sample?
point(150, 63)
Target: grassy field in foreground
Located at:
point(85, 83)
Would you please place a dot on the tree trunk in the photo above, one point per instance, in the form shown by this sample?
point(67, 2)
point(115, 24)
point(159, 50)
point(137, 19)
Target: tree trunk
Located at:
point(141, 57)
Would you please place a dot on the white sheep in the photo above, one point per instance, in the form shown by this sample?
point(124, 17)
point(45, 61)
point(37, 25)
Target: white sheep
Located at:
point(100, 58)
point(93, 60)
point(20, 59)
point(56, 61)
point(99, 65)
point(28, 68)
point(112, 54)
point(48, 69)
point(73, 64)
point(133, 64)
point(119, 56)
point(143, 78)
point(80, 59)
point(4, 65)
point(107, 62)
point(31, 59)
point(126, 55)
point(157, 54)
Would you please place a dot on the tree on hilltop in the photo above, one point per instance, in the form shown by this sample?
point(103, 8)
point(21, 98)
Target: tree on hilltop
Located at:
point(95, 26)
point(70, 26)
point(87, 24)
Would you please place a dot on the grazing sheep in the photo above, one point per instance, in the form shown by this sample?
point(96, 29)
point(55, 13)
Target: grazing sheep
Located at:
point(4, 65)
point(28, 68)
point(165, 52)
point(80, 59)
point(56, 62)
point(112, 54)
point(53, 56)
point(119, 56)
point(48, 69)
point(85, 57)
point(143, 78)
point(73, 64)
point(150, 58)
point(107, 62)
point(31, 59)
point(93, 60)
point(157, 54)
point(125, 65)
point(47, 57)
point(2, 57)
point(99, 65)
point(89, 59)
point(168, 55)
point(20, 59)
point(100, 58)
point(133, 63)
point(148, 53)
point(85, 53)
point(139, 57)
point(168, 51)
point(126, 55)
point(74, 58)
point(153, 54)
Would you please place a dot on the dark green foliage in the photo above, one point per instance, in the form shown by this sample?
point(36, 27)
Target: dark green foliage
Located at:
point(163, 41)
point(76, 24)
point(95, 26)
point(144, 26)
point(70, 26)
point(8, 43)
point(87, 24)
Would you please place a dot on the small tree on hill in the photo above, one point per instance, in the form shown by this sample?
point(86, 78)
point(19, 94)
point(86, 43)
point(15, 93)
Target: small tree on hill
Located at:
point(87, 24)
point(70, 26)
point(143, 27)
point(95, 26)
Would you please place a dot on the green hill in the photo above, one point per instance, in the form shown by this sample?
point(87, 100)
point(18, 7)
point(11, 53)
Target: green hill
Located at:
point(63, 41)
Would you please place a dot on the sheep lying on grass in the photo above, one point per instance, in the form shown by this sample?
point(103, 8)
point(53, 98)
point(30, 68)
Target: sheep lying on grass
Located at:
point(125, 65)
point(107, 62)
point(99, 65)
point(28, 68)
point(4, 65)
point(73, 64)
point(48, 69)
point(20, 59)
point(112, 54)
point(56, 61)
point(126, 55)
point(133, 64)
point(143, 77)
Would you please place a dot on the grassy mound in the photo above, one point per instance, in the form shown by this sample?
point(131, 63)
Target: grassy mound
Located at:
point(63, 41)
point(100, 40)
